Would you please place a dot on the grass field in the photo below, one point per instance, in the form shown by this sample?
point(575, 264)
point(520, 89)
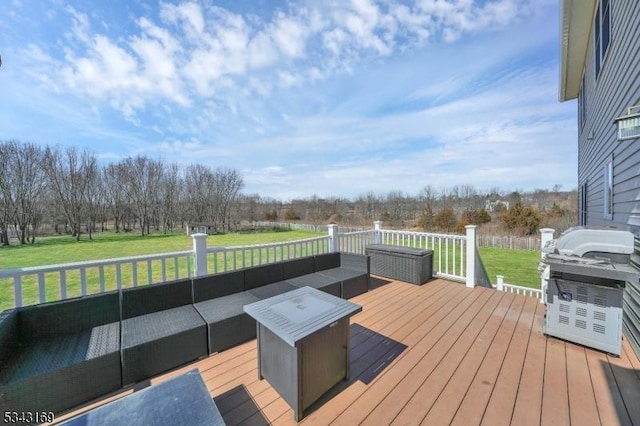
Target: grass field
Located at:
point(518, 267)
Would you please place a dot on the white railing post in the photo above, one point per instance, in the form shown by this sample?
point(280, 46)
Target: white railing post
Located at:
point(471, 255)
point(546, 236)
point(500, 283)
point(199, 254)
point(334, 238)
point(377, 226)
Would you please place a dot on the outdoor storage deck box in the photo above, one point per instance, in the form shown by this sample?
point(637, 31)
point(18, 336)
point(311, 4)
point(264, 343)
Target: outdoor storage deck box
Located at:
point(407, 264)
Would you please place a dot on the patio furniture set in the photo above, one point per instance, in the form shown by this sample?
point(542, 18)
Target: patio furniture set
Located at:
point(58, 355)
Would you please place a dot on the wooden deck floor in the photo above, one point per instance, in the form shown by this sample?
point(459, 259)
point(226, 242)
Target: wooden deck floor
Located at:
point(442, 354)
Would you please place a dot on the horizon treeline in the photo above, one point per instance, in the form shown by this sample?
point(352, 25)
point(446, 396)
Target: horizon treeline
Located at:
point(68, 191)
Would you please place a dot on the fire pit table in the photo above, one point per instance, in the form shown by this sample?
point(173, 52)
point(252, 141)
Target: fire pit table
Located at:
point(303, 344)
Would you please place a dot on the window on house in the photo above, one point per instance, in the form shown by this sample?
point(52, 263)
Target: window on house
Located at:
point(582, 104)
point(583, 204)
point(602, 32)
point(608, 189)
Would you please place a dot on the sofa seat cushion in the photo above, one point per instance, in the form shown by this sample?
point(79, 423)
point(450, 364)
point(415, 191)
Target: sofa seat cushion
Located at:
point(221, 308)
point(271, 290)
point(53, 352)
point(58, 372)
point(353, 282)
point(157, 325)
point(159, 341)
point(227, 323)
point(318, 281)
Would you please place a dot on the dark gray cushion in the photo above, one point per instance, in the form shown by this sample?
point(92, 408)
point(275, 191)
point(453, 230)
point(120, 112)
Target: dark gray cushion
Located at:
point(155, 297)
point(342, 274)
point(262, 275)
point(68, 316)
point(59, 351)
point(214, 310)
point(271, 290)
point(218, 285)
point(321, 282)
point(9, 333)
point(297, 267)
point(356, 262)
point(156, 325)
point(327, 261)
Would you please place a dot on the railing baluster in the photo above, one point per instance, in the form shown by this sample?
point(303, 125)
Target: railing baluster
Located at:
point(176, 268)
point(163, 262)
point(83, 281)
point(235, 260)
point(63, 284)
point(149, 272)
point(119, 276)
point(446, 246)
point(134, 274)
point(101, 278)
point(41, 288)
point(17, 291)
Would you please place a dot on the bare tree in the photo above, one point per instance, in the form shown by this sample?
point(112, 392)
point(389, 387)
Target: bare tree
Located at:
point(140, 178)
point(70, 176)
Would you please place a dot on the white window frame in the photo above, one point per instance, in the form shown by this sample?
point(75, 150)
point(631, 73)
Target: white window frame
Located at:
point(608, 188)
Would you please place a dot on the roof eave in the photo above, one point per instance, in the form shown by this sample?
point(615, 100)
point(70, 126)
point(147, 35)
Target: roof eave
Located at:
point(576, 17)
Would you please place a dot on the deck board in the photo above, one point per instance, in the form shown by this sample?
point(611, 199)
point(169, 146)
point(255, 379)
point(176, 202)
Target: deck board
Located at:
point(499, 409)
point(437, 354)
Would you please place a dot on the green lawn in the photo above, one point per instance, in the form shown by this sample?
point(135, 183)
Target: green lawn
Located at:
point(55, 250)
point(519, 267)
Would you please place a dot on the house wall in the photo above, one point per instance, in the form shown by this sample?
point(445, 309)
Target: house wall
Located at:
point(616, 88)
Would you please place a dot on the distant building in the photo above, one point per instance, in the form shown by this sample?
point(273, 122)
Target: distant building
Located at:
point(492, 206)
point(200, 228)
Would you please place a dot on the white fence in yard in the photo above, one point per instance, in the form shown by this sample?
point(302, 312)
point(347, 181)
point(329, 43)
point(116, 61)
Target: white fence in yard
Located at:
point(509, 242)
point(24, 286)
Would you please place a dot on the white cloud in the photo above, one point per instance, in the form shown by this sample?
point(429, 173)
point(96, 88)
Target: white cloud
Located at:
point(328, 97)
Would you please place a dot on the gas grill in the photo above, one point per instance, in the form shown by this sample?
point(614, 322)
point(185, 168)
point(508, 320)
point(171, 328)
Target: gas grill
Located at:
point(586, 270)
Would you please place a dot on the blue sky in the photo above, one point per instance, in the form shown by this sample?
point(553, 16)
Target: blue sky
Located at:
point(302, 97)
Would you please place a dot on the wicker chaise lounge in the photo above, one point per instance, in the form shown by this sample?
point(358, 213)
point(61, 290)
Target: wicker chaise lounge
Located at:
point(60, 354)
point(161, 330)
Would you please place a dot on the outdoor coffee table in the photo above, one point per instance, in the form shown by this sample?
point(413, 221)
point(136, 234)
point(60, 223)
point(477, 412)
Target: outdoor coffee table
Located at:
point(182, 400)
point(303, 344)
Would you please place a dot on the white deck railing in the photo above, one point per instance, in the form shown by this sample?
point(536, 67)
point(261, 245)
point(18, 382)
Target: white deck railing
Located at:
point(223, 259)
point(517, 289)
point(57, 282)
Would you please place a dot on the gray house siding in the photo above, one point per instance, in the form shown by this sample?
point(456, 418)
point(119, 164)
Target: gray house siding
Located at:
point(616, 88)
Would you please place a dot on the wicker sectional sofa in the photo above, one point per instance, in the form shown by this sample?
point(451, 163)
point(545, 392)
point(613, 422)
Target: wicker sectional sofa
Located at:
point(57, 355)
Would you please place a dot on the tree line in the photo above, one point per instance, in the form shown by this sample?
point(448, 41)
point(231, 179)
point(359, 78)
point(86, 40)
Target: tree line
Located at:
point(446, 209)
point(69, 190)
point(72, 191)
